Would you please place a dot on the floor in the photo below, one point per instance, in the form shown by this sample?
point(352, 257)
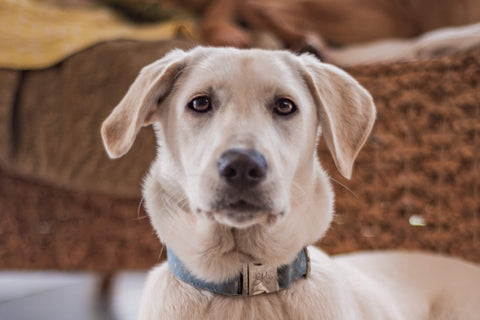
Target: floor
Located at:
point(73, 296)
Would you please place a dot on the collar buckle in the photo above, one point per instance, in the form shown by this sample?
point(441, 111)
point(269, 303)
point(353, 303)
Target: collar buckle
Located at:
point(259, 279)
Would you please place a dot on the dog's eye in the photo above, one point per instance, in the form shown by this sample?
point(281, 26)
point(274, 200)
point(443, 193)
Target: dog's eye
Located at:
point(200, 104)
point(284, 107)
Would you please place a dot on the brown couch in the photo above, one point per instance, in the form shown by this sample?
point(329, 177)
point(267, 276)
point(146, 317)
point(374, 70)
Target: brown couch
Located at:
point(65, 205)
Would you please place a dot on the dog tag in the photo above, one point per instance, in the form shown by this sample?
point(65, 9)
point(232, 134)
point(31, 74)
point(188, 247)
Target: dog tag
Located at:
point(261, 279)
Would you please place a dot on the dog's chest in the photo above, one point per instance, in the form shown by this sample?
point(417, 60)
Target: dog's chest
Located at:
point(297, 302)
point(300, 301)
point(322, 295)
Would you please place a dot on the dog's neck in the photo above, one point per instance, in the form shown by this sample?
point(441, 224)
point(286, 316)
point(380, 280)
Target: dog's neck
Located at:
point(254, 279)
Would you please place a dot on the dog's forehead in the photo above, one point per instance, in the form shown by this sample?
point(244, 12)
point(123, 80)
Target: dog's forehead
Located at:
point(247, 69)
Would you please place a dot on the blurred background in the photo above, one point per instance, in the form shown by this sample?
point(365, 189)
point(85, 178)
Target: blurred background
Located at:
point(75, 242)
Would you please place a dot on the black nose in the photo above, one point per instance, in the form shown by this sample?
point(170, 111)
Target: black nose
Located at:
point(242, 168)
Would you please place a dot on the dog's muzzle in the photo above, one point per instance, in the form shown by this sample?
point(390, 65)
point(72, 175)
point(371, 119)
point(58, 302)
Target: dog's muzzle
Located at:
point(242, 197)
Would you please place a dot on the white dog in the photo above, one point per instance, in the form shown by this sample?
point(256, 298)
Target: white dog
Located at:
point(236, 194)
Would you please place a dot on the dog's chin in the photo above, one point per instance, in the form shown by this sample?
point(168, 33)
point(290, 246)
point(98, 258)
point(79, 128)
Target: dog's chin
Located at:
point(242, 219)
point(242, 214)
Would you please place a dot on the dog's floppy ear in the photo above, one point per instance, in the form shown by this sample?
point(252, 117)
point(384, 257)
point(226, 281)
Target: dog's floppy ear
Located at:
point(345, 110)
point(138, 106)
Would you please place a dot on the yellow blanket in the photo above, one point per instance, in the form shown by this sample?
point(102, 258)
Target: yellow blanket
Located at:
point(34, 35)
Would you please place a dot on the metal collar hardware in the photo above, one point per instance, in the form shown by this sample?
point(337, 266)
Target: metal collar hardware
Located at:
point(258, 279)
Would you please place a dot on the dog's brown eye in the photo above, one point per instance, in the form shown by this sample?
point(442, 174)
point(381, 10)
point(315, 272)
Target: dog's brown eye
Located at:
point(284, 107)
point(200, 104)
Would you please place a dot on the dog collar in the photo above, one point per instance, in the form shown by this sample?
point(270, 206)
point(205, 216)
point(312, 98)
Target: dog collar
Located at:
point(255, 278)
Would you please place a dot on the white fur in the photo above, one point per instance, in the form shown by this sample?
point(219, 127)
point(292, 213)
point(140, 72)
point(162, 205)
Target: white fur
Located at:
point(214, 245)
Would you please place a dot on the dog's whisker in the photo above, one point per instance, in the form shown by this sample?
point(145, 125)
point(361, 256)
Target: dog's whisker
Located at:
point(139, 208)
point(170, 201)
point(162, 249)
point(296, 186)
point(344, 186)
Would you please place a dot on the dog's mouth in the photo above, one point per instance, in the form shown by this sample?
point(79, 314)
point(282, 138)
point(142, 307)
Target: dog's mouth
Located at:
point(241, 209)
point(242, 213)
point(242, 205)
point(251, 203)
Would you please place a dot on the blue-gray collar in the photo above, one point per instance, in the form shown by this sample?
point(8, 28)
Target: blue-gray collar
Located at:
point(253, 280)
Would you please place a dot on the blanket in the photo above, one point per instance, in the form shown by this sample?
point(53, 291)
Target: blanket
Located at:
point(35, 35)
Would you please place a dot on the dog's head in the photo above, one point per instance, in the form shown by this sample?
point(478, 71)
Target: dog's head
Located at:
point(237, 133)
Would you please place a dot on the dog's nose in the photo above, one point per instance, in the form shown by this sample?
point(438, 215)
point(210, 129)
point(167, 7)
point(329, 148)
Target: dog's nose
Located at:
point(242, 168)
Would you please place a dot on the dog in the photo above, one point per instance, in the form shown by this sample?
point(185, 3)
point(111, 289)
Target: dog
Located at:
point(347, 32)
point(238, 196)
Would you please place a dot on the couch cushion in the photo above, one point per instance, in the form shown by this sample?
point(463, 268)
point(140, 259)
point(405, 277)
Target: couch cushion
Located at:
point(58, 112)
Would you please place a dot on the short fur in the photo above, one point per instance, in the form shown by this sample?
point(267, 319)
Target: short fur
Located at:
point(183, 187)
